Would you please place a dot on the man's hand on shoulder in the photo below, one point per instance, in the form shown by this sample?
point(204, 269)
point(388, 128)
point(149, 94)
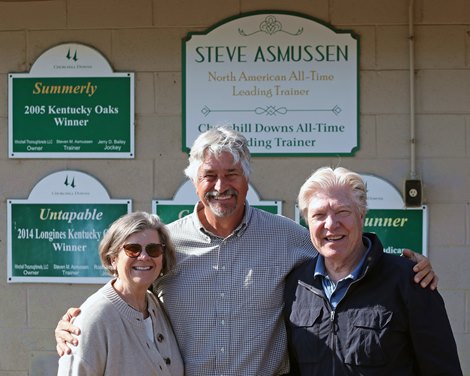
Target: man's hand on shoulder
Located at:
point(65, 332)
point(425, 276)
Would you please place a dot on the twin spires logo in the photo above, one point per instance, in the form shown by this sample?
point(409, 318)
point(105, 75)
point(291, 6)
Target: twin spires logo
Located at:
point(70, 57)
point(67, 183)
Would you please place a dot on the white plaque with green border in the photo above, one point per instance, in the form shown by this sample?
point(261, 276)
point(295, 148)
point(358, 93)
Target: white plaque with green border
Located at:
point(397, 226)
point(53, 236)
point(71, 105)
point(185, 199)
point(287, 81)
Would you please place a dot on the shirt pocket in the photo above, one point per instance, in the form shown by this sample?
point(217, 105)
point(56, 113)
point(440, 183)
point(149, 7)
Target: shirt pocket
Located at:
point(305, 323)
point(368, 329)
point(261, 288)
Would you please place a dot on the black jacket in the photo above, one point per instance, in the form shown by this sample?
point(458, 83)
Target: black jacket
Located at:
point(385, 324)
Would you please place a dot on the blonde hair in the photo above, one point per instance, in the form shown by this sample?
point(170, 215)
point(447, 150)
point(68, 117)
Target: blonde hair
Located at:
point(327, 178)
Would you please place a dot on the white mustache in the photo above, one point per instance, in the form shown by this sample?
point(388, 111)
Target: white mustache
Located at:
point(215, 194)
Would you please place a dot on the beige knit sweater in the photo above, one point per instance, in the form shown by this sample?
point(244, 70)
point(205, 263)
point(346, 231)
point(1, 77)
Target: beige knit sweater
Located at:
point(113, 340)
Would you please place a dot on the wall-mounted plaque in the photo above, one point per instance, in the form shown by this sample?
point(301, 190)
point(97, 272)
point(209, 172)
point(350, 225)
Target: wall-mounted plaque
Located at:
point(71, 105)
point(288, 82)
point(53, 236)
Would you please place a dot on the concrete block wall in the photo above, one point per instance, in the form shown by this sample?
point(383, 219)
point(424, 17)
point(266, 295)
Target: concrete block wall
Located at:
point(144, 36)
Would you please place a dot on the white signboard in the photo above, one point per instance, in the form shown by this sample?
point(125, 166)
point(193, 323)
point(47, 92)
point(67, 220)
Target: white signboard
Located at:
point(289, 83)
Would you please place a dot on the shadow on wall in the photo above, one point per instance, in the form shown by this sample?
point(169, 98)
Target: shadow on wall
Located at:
point(43, 364)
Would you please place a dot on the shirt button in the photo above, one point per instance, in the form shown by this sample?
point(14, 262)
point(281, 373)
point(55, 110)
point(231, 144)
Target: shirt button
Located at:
point(223, 322)
point(222, 349)
point(223, 267)
point(222, 294)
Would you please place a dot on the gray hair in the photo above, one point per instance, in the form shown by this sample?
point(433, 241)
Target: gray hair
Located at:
point(216, 141)
point(326, 178)
point(127, 225)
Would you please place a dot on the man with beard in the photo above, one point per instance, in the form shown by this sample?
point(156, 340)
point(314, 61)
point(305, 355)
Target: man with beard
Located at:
point(225, 295)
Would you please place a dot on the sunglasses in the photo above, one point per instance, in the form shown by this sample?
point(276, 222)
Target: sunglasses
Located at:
point(153, 249)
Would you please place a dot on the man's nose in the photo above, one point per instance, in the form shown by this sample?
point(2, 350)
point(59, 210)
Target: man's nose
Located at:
point(330, 221)
point(220, 184)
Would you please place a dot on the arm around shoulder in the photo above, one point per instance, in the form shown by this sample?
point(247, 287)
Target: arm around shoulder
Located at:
point(65, 332)
point(425, 275)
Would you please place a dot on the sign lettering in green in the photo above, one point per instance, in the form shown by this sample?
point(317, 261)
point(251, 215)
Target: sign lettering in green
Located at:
point(58, 242)
point(64, 117)
point(398, 229)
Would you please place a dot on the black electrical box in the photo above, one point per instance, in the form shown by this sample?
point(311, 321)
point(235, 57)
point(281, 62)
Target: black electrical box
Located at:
point(413, 192)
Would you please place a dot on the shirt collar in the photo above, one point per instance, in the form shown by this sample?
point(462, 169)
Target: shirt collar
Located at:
point(239, 230)
point(320, 269)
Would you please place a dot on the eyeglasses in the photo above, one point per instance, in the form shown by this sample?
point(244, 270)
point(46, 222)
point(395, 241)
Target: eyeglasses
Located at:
point(133, 250)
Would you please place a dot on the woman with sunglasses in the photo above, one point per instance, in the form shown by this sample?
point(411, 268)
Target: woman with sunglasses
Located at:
point(124, 328)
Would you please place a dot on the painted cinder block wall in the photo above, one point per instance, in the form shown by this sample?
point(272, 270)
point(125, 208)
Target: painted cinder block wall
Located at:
point(144, 36)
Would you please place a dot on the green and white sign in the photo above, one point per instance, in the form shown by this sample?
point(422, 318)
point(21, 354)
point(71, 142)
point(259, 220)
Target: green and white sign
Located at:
point(71, 105)
point(397, 226)
point(288, 82)
point(53, 236)
point(186, 198)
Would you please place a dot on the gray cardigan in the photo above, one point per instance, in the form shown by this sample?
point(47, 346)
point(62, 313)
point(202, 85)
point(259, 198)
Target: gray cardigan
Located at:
point(113, 340)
